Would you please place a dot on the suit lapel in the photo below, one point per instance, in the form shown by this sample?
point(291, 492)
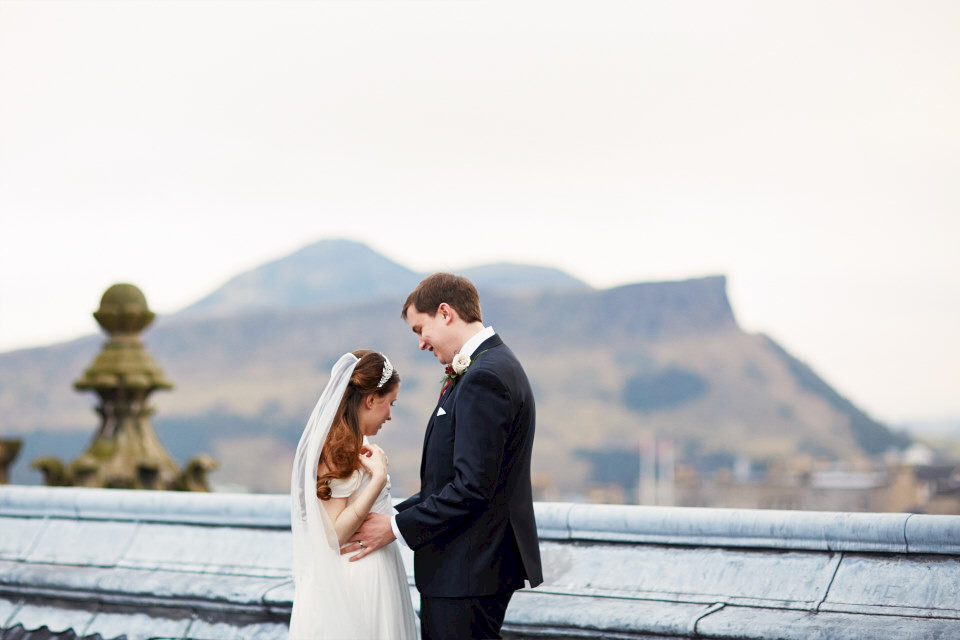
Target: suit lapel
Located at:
point(489, 343)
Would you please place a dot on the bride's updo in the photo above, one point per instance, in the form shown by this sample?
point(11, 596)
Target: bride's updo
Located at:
point(340, 456)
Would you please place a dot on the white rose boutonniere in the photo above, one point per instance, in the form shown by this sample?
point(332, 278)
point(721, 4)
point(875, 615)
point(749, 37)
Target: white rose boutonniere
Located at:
point(457, 368)
point(460, 363)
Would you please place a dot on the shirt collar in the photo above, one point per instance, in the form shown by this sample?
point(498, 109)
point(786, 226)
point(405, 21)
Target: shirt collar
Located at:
point(471, 345)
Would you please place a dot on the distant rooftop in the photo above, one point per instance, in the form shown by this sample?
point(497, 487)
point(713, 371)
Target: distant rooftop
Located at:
point(107, 564)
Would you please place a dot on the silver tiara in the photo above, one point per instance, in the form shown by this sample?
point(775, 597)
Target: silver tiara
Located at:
point(387, 372)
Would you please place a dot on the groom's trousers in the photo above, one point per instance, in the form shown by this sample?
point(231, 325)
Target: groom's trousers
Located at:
point(447, 618)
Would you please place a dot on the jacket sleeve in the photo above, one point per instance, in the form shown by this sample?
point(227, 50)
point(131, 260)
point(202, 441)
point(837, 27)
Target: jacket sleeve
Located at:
point(409, 502)
point(483, 415)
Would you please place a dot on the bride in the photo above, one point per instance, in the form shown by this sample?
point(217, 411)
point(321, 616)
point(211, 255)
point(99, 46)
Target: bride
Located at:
point(338, 478)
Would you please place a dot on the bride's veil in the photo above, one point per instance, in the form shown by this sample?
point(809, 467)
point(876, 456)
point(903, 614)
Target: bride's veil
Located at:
point(321, 590)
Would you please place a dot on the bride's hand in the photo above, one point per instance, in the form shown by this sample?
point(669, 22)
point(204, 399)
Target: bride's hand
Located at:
point(374, 460)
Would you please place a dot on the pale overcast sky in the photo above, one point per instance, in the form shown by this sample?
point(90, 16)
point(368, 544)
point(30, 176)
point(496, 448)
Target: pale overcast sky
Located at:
point(807, 150)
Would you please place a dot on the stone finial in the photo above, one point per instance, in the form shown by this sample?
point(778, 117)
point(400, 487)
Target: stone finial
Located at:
point(8, 453)
point(194, 475)
point(124, 362)
point(125, 452)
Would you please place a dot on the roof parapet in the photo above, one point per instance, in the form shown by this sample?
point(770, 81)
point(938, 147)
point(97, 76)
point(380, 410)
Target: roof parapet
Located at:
point(204, 566)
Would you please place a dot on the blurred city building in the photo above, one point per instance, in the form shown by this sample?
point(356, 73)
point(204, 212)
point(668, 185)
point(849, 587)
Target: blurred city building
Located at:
point(917, 480)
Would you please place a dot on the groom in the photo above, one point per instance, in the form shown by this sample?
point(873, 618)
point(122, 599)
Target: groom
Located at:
point(471, 527)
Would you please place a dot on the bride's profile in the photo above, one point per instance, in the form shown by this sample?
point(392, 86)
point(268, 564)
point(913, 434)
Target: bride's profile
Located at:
point(338, 478)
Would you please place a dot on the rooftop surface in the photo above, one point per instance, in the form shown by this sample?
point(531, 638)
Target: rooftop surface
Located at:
point(106, 563)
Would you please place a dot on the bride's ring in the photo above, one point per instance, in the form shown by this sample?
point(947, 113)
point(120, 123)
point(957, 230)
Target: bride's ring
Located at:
point(361, 544)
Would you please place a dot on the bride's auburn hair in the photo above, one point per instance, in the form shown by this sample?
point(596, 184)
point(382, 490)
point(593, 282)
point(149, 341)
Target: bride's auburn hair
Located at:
point(341, 452)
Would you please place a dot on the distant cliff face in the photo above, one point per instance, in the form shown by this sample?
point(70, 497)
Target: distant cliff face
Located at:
point(609, 369)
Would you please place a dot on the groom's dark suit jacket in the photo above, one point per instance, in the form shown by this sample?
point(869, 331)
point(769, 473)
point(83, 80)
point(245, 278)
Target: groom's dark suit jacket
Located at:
point(471, 526)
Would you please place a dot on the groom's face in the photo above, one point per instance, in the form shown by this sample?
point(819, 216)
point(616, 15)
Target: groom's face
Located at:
point(433, 334)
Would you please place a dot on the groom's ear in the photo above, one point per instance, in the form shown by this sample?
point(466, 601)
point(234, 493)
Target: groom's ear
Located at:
point(446, 312)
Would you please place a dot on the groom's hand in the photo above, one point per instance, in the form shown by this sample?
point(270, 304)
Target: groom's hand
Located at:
point(374, 532)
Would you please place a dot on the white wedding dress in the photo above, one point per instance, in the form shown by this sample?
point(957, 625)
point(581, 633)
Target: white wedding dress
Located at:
point(336, 599)
point(377, 583)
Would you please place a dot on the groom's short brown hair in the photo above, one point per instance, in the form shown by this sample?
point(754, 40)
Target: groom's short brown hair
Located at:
point(456, 291)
